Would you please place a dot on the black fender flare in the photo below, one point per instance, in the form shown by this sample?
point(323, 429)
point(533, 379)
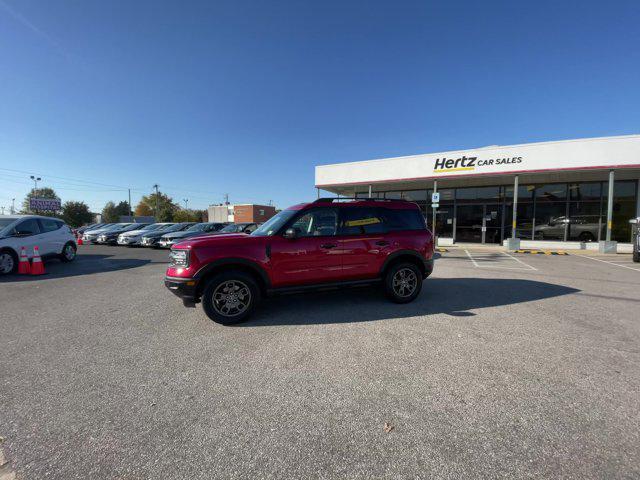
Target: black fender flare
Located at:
point(255, 267)
point(404, 253)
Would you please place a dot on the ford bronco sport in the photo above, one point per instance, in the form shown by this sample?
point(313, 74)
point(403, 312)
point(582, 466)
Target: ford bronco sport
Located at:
point(329, 242)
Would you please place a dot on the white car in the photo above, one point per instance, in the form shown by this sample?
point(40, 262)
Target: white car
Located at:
point(51, 235)
point(133, 237)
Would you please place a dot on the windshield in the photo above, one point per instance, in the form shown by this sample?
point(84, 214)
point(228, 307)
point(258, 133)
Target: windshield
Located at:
point(274, 224)
point(198, 227)
point(5, 222)
point(135, 226)
point(231, 228)
point(118, 227)
point(173, 228)
point(153, 226)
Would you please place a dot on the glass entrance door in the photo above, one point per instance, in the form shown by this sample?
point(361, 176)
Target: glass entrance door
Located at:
point(469, 223)
point(492, 224)
point(479, 223)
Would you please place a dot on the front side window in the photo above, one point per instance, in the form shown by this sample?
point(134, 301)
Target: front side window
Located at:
point(317, 222)
point(361, 221)
point(28, 227)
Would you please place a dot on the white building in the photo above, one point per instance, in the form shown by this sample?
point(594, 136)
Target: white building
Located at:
point(564, 194)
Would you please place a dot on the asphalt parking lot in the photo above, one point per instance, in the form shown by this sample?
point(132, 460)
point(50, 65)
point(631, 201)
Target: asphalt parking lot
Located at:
point(507, 366)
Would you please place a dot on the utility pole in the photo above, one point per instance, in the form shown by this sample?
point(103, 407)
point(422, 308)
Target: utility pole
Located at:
point(226, 199)
point(130, 211)
point(186, 203)
point(157, 201)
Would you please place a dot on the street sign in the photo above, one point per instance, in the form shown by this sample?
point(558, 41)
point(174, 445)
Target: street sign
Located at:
point(44, 204)
point(435, 205)
point(435, 197)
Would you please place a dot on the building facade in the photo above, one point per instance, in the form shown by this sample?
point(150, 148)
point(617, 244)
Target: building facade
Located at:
point(563, 189)
point(241, 213)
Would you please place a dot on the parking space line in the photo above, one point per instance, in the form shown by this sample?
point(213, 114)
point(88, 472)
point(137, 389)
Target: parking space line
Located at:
point(520, 261)
point(477, 265)
point(610, 263)
point(471, 258)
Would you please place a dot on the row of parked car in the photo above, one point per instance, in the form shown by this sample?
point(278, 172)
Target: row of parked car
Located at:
point(156, 235)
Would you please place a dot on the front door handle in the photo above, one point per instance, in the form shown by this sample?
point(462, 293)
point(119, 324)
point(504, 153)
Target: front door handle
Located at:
point(382, 243)
point(328, 246)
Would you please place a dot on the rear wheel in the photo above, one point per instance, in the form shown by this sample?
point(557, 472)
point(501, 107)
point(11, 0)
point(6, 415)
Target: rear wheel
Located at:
point(68, 253)
point(8, 262)
point(230, 297)
point(403, 282)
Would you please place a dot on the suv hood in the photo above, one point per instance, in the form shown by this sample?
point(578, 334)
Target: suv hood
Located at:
point(222, 239)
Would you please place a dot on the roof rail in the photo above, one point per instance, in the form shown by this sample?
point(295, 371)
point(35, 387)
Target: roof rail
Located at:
point(367, 199)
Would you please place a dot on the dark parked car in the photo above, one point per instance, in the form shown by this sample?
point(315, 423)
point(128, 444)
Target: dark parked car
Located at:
point(239, 228)
point(151, 239)
point(312, 245)
point(110, 237)
point(169, 239)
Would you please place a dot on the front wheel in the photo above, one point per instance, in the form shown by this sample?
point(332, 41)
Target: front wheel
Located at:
point(403, 282)
point(68, 253)
point(230, 297)
point(8, 262)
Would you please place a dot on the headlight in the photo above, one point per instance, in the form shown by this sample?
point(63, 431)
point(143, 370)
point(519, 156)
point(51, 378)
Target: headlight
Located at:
point(179, 258)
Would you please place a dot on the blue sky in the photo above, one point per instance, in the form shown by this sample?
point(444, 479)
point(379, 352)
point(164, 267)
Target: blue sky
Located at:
point(246, 97)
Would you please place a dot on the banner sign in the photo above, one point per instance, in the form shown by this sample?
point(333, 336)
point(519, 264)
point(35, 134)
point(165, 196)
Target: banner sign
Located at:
point(49, 204)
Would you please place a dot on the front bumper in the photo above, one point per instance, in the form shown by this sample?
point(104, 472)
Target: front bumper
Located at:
point(184, 288)
point(166, 243)
point(149, 242)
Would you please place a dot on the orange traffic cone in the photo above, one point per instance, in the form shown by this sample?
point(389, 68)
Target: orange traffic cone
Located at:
point(37, 267)
point(24, 267)
point(79, 241)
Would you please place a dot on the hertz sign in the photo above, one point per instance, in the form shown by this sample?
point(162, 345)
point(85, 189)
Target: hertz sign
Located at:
point(468, 164)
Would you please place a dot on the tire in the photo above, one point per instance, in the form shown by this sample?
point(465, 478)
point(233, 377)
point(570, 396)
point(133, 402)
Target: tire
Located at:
point(8, 262)
point(586, 237)
point(403, 282)
point(239, 285)
point(68, 253)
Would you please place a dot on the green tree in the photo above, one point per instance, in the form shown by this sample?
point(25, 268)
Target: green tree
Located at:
point(166, 207)
point(76, 214)
point(187, 215)
point(111, 212)
point(44, 192)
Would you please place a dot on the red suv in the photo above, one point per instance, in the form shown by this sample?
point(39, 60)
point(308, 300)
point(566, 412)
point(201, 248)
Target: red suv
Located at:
point(329, 242)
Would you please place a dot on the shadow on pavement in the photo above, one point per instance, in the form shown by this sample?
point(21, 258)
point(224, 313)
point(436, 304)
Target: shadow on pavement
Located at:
point(85, 264)
point(451, 296)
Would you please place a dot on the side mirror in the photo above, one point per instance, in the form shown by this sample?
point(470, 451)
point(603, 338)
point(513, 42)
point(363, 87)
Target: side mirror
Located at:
point(290, 233)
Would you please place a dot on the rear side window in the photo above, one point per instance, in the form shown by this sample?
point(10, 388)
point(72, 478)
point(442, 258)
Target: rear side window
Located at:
point(403, 219)
point(361, 221)
point(50, 225)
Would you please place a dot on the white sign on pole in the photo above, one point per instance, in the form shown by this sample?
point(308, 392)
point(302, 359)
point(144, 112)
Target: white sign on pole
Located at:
point(435, 197)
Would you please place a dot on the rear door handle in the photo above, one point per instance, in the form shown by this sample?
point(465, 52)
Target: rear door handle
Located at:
point(328, 246)
point(382, 243)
